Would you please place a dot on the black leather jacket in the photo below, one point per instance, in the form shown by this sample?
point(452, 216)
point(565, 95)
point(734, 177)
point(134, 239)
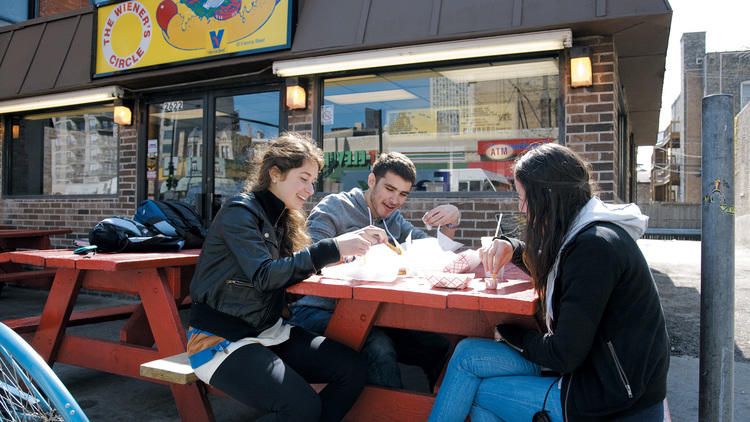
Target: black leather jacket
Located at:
point(240, 279)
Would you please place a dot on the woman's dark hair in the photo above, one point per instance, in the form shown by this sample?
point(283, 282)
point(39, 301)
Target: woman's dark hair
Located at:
point(557, 185)
point(289, 151)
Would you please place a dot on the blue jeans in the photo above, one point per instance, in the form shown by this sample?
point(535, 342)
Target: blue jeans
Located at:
point(385, 347)
point(493, 382)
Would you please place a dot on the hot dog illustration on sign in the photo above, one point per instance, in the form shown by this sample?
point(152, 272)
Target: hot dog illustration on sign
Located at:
point(211, 24)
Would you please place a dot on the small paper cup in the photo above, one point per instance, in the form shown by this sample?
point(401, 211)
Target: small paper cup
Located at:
point(490, 282)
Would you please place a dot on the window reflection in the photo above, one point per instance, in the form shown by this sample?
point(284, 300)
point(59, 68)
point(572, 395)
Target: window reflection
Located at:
point(244, 124)
point(461, 126)
point(64, 153)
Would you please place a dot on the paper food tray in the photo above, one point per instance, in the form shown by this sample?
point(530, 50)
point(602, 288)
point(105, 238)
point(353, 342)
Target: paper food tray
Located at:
point(448, 280)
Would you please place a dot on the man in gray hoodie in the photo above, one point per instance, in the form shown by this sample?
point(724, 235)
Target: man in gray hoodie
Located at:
point(390, 182)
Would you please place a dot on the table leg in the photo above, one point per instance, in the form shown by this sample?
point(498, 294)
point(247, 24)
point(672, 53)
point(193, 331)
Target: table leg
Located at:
point(169, 334)
point(136, 329)
point(57, 309)
point(351, 322)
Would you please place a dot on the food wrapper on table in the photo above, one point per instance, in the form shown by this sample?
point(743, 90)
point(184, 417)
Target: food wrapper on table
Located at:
point(419, 258)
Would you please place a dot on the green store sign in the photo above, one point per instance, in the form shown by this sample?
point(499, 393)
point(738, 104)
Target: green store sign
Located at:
point(359, 158)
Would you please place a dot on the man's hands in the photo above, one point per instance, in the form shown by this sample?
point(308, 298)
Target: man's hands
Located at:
point(358, 242)
point(442, 215)
point(495, 255)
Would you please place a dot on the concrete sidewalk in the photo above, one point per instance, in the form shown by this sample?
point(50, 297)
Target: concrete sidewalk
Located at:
point(106, 397)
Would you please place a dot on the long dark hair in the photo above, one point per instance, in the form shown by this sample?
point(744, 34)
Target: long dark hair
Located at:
point(557, 185)
point(289, 151)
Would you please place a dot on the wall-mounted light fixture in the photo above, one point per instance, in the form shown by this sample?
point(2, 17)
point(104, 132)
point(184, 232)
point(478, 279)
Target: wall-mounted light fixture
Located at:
point(296, 98)
point(15, 130)
point(63, 99)
point(424, 53)
point(123, 113)
point(580, 67)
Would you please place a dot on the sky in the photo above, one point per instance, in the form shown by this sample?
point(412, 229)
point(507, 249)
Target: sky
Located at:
point(726, 25)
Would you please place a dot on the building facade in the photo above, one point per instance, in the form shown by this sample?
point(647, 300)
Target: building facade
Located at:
point(476, 91)
point(679, 151)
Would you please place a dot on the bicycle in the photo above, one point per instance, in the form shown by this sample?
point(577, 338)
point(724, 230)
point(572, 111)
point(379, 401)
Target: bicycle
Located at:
point(29, 390)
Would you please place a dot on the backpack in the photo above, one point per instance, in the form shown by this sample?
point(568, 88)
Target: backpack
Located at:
point(120, 234)
point(174, 219)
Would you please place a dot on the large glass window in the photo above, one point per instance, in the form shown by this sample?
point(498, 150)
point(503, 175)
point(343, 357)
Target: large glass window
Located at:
point(63, 153)
point(462, 126)
point(243, 124)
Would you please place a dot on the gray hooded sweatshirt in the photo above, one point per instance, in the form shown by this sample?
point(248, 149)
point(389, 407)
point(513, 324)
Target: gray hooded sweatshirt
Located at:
point(343, 212)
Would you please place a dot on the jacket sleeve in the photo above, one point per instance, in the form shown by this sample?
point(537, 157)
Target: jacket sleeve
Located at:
point(589, 271)
point(518, 248)
point(241, 231)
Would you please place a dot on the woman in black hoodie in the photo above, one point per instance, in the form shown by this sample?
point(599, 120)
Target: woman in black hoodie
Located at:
point(604, 354)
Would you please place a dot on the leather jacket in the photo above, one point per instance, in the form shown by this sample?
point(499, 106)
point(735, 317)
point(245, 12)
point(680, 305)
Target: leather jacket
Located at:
point(239, 283)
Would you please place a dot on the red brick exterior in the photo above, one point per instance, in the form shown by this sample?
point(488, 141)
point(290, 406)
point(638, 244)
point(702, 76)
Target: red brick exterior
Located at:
point(590, 116)
point(53, 7)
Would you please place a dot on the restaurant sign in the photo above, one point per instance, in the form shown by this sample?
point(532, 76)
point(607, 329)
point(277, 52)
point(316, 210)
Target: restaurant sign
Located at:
point(498, 156)
point(137, 34)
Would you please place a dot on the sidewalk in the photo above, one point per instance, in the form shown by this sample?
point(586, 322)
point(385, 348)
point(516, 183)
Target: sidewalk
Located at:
point(676, 266)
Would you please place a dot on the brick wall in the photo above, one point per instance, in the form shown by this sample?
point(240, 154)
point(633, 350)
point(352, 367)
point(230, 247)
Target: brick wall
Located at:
point(53, 7)
point(301, 120)
point(79, 214)
point(590, 116)
point(478, 215)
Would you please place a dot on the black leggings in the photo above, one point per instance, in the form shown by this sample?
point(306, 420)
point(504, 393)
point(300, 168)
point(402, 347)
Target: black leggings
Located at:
point(277, 378)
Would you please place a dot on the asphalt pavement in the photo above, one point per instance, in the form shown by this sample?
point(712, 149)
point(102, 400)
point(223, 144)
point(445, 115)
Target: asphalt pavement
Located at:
point(676, 266)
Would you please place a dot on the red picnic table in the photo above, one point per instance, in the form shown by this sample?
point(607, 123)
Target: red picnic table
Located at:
point(160, 280)
point(412, 303)
point(14, 239)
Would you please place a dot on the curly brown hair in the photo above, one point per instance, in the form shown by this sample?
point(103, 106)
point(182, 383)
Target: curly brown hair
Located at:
point(557, 185)
point(288, 152)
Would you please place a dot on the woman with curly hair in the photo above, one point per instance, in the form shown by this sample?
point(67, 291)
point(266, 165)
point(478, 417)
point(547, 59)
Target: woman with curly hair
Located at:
point(258, 246)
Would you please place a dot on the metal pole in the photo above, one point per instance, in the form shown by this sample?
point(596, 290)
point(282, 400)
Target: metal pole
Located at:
point(716, 389)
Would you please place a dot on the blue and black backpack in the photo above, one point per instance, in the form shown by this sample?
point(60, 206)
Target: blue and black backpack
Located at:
point(121, 234)
point(173, 219)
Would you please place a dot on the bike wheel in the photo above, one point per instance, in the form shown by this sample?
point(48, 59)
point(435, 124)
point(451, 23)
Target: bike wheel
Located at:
point(29, 390)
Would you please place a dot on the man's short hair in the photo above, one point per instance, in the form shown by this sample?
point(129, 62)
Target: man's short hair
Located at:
point(397, 163)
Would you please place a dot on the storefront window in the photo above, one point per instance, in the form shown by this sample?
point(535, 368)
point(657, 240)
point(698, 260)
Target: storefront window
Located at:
point(174, 158)
point(462, 126)
point(244, 124)
point(64, 153)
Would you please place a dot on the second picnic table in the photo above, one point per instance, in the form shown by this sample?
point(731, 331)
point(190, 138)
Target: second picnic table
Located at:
point(15, 239)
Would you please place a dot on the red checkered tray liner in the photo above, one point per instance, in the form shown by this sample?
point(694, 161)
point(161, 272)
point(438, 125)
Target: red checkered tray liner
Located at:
point(448, 280)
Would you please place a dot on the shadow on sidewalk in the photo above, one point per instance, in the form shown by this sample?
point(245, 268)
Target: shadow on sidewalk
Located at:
point(682, 311)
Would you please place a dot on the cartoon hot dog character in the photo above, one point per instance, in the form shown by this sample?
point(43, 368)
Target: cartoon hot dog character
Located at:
point(199, 24)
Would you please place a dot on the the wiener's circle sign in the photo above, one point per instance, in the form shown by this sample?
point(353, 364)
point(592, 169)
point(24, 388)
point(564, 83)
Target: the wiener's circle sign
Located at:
point(136, 34)
point(119, 61)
